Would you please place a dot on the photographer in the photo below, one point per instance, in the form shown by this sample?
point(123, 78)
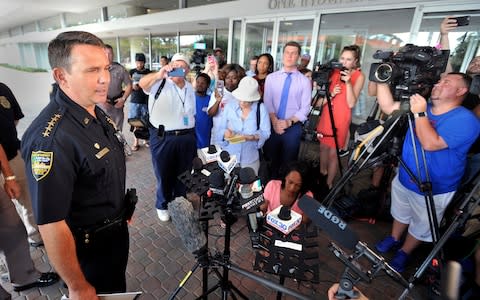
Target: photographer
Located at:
point(345, 88)
point(439, 129)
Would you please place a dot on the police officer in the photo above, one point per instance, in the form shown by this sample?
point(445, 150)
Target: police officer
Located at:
point(10, 114)
point(13, 238)
point(117, 95)
point(171, 106)
point(76, 170)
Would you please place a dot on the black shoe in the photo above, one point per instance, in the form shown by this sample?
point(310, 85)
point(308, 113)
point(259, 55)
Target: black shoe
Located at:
point(36, 244)
point(45, 279)
point(343, 153)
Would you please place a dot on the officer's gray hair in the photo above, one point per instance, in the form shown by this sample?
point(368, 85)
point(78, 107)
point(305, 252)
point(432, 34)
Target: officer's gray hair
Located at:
point(59, 48)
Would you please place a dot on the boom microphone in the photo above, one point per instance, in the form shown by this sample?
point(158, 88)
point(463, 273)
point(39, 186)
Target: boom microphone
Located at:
point(333, 225)
point(187, 225)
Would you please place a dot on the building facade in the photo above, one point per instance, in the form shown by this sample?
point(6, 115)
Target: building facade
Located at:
point(250, 27)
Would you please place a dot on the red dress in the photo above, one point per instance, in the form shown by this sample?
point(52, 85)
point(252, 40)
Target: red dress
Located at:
point(342, 114)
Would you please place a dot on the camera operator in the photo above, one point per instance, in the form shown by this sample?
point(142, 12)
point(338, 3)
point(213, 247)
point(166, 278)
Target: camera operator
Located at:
point(445, 130)
point(345, 89)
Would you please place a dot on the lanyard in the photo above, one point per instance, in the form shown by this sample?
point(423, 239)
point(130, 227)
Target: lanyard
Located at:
point(180, 97)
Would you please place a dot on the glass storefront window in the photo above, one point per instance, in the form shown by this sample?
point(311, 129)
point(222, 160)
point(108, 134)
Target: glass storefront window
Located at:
point(162, 46)
point(125, 11)
point(222, 39)
point(237, 29)
point(88, 17)
point(50, 23)
point(192, 3)
point(372, 31)
point(464, 40)
point(299, 31)
point(258, 40)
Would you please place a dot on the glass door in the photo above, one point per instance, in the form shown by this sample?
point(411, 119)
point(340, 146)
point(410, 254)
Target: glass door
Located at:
point(258, 40)
point(298, 30)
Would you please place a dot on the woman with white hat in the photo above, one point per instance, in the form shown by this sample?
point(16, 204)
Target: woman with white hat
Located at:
point(243, 131)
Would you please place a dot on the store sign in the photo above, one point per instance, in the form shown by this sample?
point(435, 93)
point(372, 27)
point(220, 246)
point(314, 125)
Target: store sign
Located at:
point(282, 4)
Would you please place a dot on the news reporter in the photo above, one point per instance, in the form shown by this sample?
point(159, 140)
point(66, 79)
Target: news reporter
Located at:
point(287, 191)
point(240, 120)
point(345, 89)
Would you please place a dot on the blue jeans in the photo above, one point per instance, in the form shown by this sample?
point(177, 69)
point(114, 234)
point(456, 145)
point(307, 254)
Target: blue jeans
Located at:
point(171, 156)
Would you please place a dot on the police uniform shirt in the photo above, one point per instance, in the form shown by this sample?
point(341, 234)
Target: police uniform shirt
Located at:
point(75, 164)
point(174, 108)
point(118, 75)
point(10, 112)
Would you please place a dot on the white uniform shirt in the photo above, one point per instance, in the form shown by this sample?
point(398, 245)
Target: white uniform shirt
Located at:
point(175, 108)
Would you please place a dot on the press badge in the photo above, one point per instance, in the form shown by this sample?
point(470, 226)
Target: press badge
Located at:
point(185, 120)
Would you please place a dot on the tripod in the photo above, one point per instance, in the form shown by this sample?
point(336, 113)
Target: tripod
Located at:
point(323, 90)
point(464, 211)
point(206, 261)
point(369, 150)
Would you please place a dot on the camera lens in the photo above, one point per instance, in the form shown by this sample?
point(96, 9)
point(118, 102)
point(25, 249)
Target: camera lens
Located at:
point(383, 73)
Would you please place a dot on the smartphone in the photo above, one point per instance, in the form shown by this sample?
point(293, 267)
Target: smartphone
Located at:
point(220, 85)
point(177, 72)
point(211, 59)
point(462, 21)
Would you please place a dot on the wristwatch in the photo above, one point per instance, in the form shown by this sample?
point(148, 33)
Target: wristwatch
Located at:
point(420, 114)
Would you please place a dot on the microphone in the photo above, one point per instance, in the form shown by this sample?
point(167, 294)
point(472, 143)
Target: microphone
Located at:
point(226, 161)
point(197, 166)
point(247, 175)
point(284, 219)
point(216, 182)
point(333, 225)
point(210, 154)
point(188, 227)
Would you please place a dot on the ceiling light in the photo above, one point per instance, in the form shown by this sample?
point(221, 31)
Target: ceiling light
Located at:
point(202, 23)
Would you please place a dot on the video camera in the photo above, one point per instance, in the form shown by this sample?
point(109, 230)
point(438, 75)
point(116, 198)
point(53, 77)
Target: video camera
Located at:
point(321, 72)
point(198, 59)
point(413, 69)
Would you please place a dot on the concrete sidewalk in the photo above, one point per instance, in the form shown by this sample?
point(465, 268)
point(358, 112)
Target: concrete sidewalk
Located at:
point(158, 259)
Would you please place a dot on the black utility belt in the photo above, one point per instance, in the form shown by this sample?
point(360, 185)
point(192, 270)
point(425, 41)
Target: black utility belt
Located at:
point(86, 234)
point(180, 131)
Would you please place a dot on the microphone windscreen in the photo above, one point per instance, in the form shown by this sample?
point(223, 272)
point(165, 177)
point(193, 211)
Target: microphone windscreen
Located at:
point(217, 179)
point(333, 225)
point(188, 227)
point(247, 175)
point(224, 156)
point(212, 149)
point(451, 279)
point(197, 164)
point(285, 213)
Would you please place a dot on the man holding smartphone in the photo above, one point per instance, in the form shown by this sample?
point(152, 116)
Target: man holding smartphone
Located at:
point(171, 105)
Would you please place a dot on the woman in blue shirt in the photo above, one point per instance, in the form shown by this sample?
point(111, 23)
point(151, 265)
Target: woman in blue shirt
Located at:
point(240, 133)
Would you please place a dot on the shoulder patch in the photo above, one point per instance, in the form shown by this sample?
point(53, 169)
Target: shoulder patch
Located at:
point(51, 124)
point(5, 103)
point(41, 162)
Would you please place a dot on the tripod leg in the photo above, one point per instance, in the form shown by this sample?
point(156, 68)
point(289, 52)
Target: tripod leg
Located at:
point(184, 280)
point(279, 293)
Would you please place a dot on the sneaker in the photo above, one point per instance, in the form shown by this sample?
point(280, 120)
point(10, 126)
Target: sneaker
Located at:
point(343, 153)
point(163, 215)
point(387, 244)
point(399, 261)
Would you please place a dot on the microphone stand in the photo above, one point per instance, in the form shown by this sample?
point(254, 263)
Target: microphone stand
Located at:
point(207, 210)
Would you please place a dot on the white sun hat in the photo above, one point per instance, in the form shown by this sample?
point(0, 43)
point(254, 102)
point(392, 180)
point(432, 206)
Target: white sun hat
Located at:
point(247, 90)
